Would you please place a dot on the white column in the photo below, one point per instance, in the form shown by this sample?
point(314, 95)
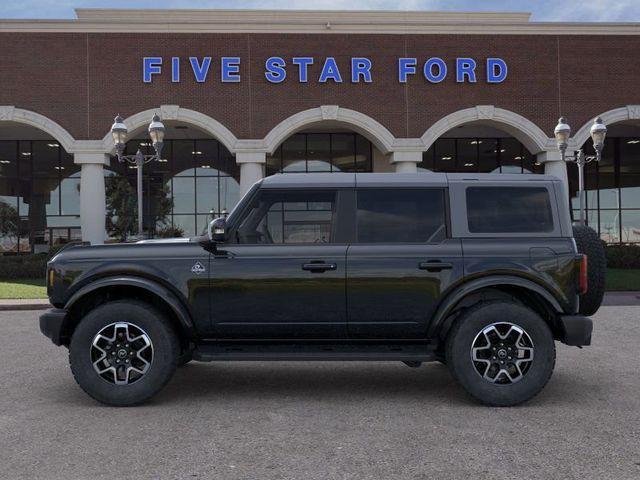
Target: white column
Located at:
point(251, 168)
point(406, 162)
point(92, 196)
point(553, 165)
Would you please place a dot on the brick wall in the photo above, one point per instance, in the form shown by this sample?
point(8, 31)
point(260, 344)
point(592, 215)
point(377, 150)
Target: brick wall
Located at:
point(82, 80)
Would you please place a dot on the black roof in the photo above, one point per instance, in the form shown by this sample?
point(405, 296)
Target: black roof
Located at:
point(319, 180)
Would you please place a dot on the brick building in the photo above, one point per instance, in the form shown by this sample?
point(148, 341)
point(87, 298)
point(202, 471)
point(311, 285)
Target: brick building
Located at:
point(245, 94)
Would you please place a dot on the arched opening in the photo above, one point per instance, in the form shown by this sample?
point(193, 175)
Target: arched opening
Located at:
point(197, 178)
point(39, 190)
point(613, 185)
point(328, 139)
point(325, 148)
point(479, 147)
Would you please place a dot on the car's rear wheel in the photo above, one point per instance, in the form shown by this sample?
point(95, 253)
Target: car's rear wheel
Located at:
point(502, 353)
point(124, 352)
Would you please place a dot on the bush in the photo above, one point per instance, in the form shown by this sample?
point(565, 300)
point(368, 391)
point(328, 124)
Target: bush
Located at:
point(170, 232)
point(23, 266)
point(623, 256)
point(26, 266)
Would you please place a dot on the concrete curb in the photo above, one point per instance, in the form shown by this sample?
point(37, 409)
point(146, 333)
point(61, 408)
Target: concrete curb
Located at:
point(26, 304)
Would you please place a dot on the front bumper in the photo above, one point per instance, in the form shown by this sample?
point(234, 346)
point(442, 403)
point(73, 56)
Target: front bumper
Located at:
point(52, 323)
point(575, 330)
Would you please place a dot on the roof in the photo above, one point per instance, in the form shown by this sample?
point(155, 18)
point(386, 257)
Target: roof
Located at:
point(311, 21)
point(421, 179)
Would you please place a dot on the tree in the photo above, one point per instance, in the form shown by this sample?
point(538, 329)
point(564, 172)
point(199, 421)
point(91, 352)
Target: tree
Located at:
point(122, 207)
point(9, 221)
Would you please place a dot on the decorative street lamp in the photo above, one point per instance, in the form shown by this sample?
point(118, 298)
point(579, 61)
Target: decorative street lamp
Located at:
point(119, 134)
point(562, 133)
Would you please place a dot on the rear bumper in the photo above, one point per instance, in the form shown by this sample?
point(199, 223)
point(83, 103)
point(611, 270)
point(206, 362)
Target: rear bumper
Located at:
point(576, 330)
point(51, 324)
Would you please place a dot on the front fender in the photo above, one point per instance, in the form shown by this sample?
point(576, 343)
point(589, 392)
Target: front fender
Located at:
point(166, 295)
point(453, 298)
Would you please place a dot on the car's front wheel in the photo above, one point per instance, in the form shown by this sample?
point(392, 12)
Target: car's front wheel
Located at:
point(502, 353)
point(123, 352)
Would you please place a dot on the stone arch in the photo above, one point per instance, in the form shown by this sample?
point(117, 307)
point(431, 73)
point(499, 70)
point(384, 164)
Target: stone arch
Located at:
point(9, 113)
point(629, 112)
point(373, 130)
point(177, 113)
point(523, 129)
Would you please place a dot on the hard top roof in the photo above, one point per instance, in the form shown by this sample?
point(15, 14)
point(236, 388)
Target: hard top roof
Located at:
point(420, 179)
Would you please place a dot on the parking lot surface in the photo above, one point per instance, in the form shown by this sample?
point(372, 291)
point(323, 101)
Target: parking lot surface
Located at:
point(322, 420)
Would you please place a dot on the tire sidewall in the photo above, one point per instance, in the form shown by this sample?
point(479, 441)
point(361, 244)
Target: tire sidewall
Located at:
point(461, 339)
point(165, 353)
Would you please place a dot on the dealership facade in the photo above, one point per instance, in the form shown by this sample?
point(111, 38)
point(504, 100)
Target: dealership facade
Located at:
point(244, 94)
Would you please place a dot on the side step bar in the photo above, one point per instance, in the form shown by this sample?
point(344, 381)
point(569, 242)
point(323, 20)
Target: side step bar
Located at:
point(402, 352)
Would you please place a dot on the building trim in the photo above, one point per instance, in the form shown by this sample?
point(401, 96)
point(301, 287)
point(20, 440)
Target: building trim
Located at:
point(303, 21)
point(373, 130)
point(629, 112)
point(527, 132)
point(10, 113)
point(175, 112)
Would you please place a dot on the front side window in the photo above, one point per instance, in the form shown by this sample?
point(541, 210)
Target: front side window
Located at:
point(509, 210)
point(281, 217)
point(401, 215)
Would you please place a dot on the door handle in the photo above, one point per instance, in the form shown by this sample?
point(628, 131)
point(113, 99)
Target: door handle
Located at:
point(319, 267)
point(435, 266)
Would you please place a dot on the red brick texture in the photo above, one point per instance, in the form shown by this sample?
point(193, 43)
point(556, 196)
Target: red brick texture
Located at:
point(81, 80)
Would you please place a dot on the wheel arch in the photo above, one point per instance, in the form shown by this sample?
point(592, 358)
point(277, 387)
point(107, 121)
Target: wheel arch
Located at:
point(128, 287)
point(509, 288)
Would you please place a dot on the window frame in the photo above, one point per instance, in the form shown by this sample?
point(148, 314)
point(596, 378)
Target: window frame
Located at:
point(338, 233)
point(445, 205)
point(459, 221)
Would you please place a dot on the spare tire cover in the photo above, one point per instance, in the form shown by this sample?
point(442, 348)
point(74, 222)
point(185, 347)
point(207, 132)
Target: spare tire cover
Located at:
point(589, 243)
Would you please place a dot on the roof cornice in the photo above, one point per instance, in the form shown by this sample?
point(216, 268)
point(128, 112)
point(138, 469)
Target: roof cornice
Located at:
point(312, 21)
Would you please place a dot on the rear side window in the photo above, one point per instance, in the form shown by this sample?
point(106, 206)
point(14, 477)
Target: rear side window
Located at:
point(509, 210)
point(401, 215)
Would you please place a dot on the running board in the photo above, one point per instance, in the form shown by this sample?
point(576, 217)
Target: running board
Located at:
point(401, 352)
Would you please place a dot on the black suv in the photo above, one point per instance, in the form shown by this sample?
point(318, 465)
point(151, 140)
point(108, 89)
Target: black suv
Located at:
point(480, 272)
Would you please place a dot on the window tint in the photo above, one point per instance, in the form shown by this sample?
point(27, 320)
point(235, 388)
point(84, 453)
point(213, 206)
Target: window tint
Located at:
point(509, 210)
point(401, 216)
point(289, 217)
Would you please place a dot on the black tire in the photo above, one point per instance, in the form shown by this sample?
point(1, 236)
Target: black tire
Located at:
point(165, 352)
point(589, 243)
point(468, 328)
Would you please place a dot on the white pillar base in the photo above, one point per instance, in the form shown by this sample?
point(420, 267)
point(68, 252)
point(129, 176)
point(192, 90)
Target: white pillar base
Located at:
point(553, 165)
point(92, 196)
point(406, 162)
point(251, 169)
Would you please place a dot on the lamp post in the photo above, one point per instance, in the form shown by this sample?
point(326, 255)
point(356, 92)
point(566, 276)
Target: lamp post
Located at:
point(119, 133)
point(562, 133)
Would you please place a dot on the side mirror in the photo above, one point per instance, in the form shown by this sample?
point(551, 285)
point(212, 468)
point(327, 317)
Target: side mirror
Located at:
point(217, 230)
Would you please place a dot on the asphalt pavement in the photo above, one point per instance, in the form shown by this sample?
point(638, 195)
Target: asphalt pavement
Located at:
point(322, 420)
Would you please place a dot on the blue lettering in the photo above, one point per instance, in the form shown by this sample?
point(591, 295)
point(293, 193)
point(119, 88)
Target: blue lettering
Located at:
point(496, 70)
point(275, 69)
point(360, 67)
point(406, 66)
point(465, 67)
point(151, 66)
point(330, 71)
point(230, 70)
point(175, 69)
point(200, 71)
point(303, 67)
point(428, 70)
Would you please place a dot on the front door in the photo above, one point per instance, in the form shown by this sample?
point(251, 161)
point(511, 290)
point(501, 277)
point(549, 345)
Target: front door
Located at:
point(401, 263)
point(282, 275)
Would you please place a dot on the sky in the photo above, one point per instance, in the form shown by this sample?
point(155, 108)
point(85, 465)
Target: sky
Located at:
point(542, 10)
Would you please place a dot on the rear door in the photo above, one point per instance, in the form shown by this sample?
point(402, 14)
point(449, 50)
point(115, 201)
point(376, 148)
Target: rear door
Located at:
point(401, 262)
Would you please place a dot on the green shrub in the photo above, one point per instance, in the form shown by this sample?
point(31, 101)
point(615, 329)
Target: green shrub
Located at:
point(623, 256)
point(23, 266)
